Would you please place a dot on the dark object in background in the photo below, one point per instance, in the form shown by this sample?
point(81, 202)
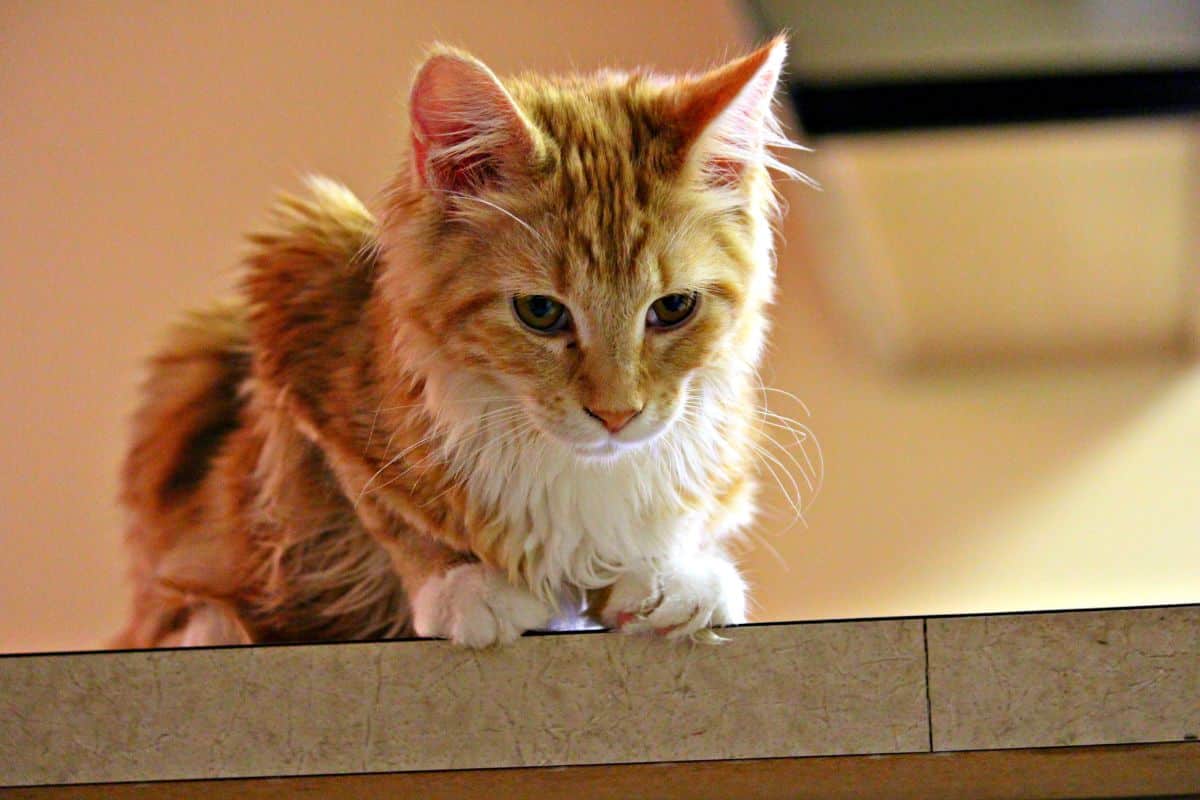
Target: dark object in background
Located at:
point(1005, 179)
point(862, 66)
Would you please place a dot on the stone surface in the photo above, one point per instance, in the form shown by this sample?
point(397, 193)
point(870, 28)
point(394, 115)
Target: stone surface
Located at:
point(1080, 678)
point(839, 688)
point(778, 690)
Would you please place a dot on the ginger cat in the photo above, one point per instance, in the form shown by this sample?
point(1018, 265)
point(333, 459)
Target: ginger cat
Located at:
point(526, 389)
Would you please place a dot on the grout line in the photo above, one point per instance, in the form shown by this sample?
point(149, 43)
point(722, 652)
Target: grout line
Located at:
point(928, 689)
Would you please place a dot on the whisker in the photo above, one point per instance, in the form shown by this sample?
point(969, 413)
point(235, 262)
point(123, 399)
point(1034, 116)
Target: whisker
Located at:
point(801, 434)
point(448, 401)
point(762, 540)
point(502, 210)
point(389, 463)
point(791, 456)
point(371, 433)
point(436, 452)
point(789, 395)
point(505, 438)
point(792, 498)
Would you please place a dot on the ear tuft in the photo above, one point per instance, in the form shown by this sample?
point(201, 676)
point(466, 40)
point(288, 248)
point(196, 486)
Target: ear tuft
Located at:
point(726, 116)
point(467, 133)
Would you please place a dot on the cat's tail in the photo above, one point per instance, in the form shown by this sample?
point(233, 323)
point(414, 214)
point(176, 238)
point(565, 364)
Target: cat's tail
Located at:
point(191, 403)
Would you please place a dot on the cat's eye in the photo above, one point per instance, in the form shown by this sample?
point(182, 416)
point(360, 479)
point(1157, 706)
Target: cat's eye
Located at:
point(540, 313)
point(671, 310)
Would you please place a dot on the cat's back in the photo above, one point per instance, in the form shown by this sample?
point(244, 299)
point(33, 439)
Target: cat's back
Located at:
point(191, 407)
point(190, 404)
point(189, 480)
point(302, 292)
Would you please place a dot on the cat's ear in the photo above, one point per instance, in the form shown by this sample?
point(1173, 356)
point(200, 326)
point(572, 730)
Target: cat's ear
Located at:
point(725, 116)
point(467, 133)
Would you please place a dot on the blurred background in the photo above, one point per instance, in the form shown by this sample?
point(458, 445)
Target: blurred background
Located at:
point(986, 316)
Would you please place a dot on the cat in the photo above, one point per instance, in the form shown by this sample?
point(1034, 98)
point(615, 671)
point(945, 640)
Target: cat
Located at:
point(524, 390)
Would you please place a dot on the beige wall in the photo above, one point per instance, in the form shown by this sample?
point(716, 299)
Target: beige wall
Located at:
point(138, 139)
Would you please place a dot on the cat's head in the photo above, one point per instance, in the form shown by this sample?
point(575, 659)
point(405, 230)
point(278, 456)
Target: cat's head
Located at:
point(596, 250)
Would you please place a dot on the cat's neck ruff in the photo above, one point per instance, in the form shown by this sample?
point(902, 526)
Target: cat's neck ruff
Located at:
point(580, 521)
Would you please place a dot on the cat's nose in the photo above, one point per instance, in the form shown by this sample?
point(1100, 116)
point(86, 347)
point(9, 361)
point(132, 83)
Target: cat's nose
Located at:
point(613, 420)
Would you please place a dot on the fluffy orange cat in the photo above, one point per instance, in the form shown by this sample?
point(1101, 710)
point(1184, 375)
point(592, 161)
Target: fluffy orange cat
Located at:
point(524, 391)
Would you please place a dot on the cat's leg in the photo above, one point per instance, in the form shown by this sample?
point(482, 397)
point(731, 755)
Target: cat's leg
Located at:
point(690, 590)
point(167, 620)
point(453, 596)
point(210, 625)
point(475, 605)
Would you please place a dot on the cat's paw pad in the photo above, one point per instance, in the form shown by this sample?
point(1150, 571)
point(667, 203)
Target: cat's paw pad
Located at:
point(678, 600)
point(473, 605)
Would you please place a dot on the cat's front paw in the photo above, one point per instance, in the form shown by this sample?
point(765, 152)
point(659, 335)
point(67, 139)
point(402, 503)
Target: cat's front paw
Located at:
point(679, 598)
point(474, 605)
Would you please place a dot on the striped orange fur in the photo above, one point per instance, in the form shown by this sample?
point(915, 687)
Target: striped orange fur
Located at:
point(368, 441)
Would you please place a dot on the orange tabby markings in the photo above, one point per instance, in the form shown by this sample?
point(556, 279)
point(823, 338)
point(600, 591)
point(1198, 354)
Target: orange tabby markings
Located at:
point(368, 441)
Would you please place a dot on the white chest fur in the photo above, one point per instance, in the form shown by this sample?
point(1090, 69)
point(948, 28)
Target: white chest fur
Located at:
point(587, 521)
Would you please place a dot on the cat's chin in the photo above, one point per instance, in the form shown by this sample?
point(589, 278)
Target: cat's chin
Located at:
point(611, 449)
point(606, 451)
